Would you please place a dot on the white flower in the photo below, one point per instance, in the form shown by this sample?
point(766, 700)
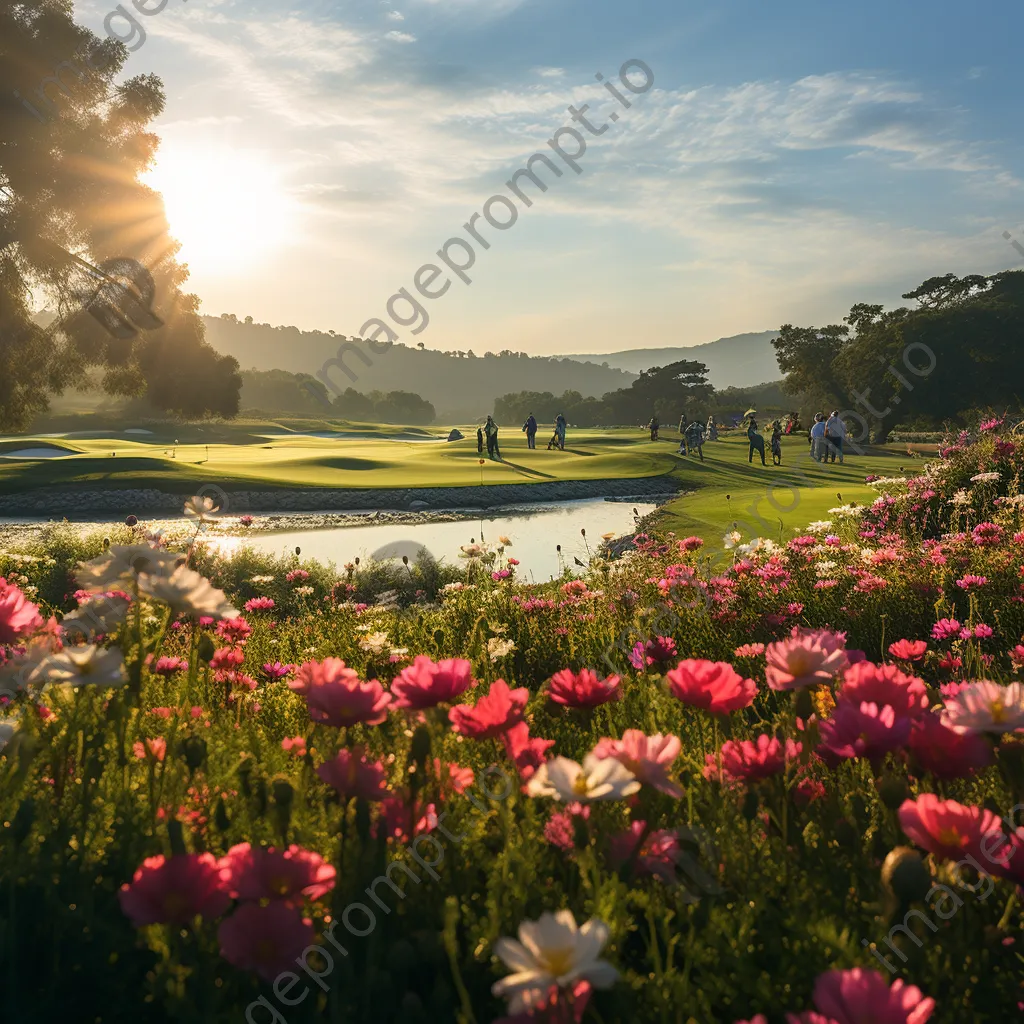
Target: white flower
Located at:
point(102, 614)
point(303, 591)
point(820, 526)
point(824, 568)
point(596, 779)
point(498, 648)
point(552, 951)
point(375, 642)
point(471, 551)
point(984, 478)
point(985, 706)
point(81, 666)
point(847, 511)
point(202, 509)
point(731, 539)
point(961, 497)
point(123, 563)
point(188, 593)
point(262, 579)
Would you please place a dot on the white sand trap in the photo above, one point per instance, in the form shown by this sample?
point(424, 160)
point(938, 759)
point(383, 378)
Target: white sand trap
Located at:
point(137, 430)
point(36, 453)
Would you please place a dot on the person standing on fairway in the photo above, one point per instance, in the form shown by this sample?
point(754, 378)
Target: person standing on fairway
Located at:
point(835, 431)
point(530, 428)
point(756, 441)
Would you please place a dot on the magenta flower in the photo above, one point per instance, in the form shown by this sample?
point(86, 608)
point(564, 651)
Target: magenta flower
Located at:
point(944, 752)
point(19, 617)
point(753, 760)
point(971, 581)
point(658, 855)
point(946, 629)
point(864, 730)
point(173, 890)
point(265, 939)
point(526, 753)
point(274, 670)
point(713, 686)
point(352, 775)
point(259, 604)
point(425, 683)
point(335, 695)
point(908, 650)
point(494, 713)
point(865, 682)
point(659, 651)
point(262, 873)
point(583, 689)
point(947, 829)
point(859, 996)
point(166, 666)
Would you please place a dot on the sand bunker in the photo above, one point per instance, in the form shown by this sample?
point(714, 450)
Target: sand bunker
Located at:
point(36, 453)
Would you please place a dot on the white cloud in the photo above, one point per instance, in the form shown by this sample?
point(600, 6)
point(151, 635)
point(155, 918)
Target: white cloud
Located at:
point(396, 16)
point(400, 37)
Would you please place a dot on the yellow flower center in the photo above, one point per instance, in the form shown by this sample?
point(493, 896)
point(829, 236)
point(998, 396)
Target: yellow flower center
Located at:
point(799, 663)
point(558, 961)
point(998, 711)
point(949, 837)
point(580, 785)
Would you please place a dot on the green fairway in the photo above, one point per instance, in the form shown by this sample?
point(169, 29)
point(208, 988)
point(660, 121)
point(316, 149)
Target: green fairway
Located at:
point(768, 501)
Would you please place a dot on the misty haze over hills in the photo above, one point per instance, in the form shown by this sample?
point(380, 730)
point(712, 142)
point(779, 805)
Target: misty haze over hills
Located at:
point(461, 384)
point(740, 361)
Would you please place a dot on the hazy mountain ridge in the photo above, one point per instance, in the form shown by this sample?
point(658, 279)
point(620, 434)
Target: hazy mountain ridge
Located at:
point(739, 361)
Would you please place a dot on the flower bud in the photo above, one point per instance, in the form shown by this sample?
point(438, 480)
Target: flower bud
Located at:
point(892, 791)
point(905, 875)
point(193, 750)
point(206, 648)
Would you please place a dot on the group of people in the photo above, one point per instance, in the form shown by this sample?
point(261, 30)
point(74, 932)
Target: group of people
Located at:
point(756, 441)
point(488, 434)
point(827, 437)
point(693, 435)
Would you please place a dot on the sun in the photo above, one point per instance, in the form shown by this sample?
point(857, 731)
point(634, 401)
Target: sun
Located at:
point(226, 207)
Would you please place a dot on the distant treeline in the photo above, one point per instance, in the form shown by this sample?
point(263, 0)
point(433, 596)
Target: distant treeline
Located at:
point(275, 392)
point(668, 392)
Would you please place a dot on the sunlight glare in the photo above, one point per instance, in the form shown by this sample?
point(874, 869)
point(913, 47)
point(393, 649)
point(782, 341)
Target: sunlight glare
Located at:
point(226, 207)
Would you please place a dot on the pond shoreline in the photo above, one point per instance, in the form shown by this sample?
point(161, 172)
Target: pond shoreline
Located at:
point(145, 502)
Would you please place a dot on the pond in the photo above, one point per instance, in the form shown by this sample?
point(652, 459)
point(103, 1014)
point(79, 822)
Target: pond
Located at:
point(534, 531)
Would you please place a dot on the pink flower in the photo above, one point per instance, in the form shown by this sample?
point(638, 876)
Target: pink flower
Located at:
point(401, 822)
point(984, 706)
point(173, 890)
point(259, 604)
point(864, 730)
point(658, 854)
point(946, 629)
point(494, 713)
point(19, 617)
point(275, 670)
point(245, 520)
point(970, 581)
point(166, 666)
point(335, 695)
point(297, 574)
point(526, 753)
point(659, 651)
point(945, 828)
point(908, 650)
point(944, 752)
point(986, 533)
point(750, 761)
point(425, 684)
point(234, 631)
point(583, 689)
point(295, 745)
point(884, 684)
point(228, 658)
point(351, 774)
point(748, 651)
point(262, 873)
point(560, 829)
point(982, 631)
point(648, 757)
point(690, 544)
point(153, 749)
point(713, 686)
point(804, 659)
point(859, 996)
point(265, 939)
point(460, 778)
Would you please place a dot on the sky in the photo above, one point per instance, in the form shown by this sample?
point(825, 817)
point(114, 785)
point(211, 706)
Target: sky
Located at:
point(787, 161)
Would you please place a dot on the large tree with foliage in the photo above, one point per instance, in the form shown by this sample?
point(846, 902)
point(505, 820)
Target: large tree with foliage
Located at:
point(959, 350)
point(73, 146)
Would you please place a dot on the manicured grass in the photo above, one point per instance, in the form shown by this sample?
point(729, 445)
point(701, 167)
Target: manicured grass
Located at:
point(272, 455)
point(770, 501)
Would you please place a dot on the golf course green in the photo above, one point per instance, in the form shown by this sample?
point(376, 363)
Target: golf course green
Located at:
point(724, 489)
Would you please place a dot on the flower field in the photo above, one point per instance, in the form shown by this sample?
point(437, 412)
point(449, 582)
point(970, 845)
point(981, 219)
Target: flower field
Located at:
point(783, 784)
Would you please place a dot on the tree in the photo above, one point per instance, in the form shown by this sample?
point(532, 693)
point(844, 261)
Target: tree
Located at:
point(806, 355)
point(73, 148)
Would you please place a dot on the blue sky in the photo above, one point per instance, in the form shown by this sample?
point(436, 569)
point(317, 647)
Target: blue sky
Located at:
point(791, 159)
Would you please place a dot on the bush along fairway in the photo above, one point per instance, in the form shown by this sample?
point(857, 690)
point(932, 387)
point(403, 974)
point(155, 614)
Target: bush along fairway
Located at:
point(780, 784)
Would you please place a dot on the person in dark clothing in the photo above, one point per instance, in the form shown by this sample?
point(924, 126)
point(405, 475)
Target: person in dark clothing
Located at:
point(530, 428)
point(776, 443)
point(653, 427)
point(695, 439)
point(479, 441)
point(560, 426)
point(491, 433)
point(756, 442)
